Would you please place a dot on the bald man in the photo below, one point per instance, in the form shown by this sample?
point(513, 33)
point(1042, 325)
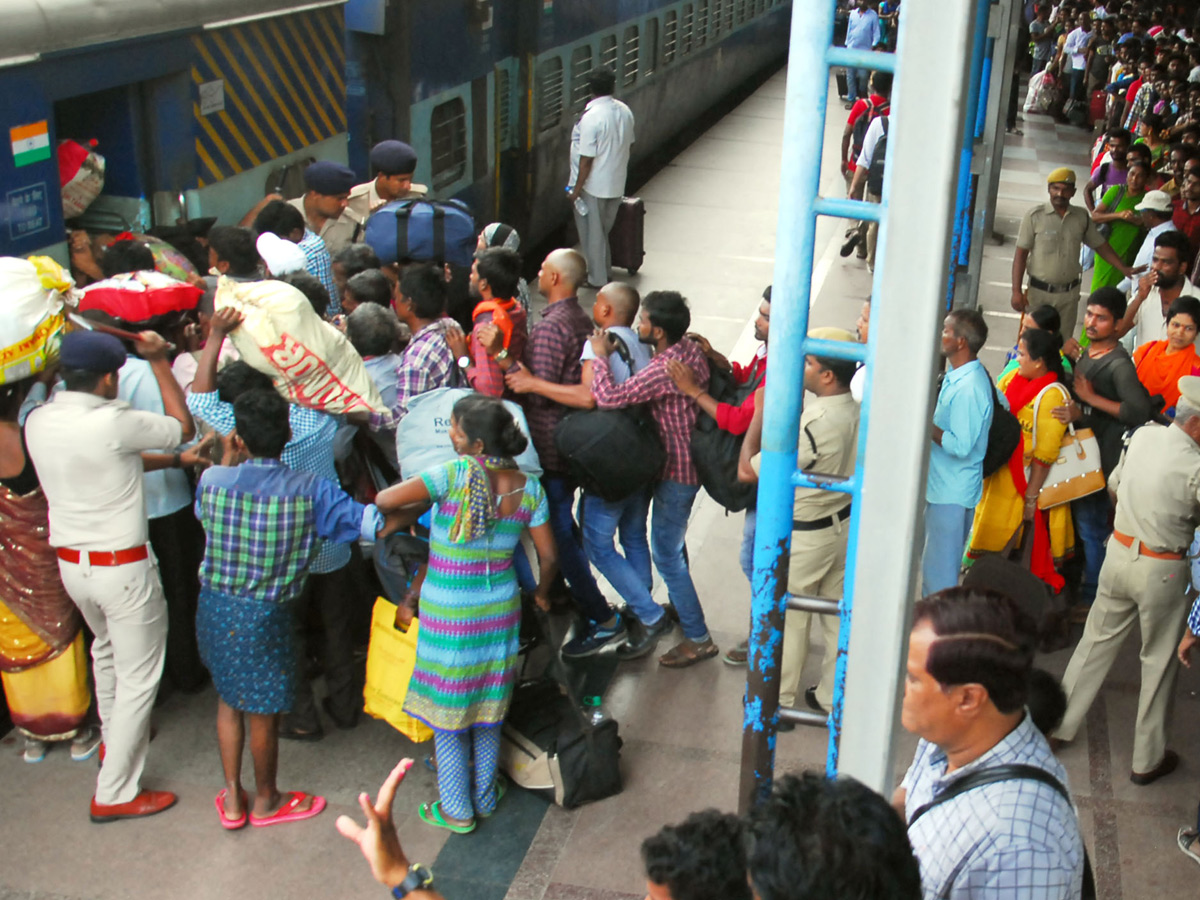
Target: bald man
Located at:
point(553, 355)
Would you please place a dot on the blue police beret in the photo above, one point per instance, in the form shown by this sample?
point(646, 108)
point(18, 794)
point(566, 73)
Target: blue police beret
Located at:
point(92, 352)
point(330, 178)
point(393, 158)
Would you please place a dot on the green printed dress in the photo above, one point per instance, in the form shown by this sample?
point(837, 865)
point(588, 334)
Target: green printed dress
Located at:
point(470, 609)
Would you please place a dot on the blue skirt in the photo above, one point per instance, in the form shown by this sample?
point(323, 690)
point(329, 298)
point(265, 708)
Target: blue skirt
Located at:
point(247, 645)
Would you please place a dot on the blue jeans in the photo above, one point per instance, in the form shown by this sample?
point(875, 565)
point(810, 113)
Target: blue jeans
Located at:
point(560, 495)
point(946, 529)
point(668, 530)
point(1093, 525)
point(856, 83)
point(629, 574)
point(746, 557)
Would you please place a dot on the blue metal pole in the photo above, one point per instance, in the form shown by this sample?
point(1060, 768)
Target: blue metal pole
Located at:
point(985, 89)
point(803, 133)
point(962, 219)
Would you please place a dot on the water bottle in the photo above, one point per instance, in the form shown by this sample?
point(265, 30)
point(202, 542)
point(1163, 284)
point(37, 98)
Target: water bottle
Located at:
point(580, 205)
point(593, 708)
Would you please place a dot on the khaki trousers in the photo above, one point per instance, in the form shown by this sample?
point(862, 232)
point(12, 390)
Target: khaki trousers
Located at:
point(817, 568)
point(1152, 593)
point(125, 608)
point(1067, 304)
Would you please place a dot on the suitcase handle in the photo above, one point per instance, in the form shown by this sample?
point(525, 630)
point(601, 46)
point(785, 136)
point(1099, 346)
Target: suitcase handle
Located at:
point(439, 230)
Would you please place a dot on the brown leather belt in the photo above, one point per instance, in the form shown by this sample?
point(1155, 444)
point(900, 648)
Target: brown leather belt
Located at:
point(1142, 549)
point(104, 557)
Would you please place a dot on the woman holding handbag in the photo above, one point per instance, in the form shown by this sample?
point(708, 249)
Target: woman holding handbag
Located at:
point(1010, 494)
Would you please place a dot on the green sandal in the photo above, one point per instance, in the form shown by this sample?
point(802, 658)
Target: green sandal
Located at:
point(431, 814)
point(501, 787)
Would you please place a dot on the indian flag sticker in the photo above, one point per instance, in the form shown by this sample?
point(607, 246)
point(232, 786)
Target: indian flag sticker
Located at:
point(30, 143)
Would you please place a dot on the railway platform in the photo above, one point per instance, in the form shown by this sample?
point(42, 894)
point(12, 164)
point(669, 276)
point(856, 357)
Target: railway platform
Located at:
point(710, 234)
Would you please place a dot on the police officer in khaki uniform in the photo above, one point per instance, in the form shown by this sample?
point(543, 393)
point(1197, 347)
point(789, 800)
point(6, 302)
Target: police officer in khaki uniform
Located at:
point(1048, 247)
point(817, 566)
point(394, 163)
point(1145, 579)
point(327, 193)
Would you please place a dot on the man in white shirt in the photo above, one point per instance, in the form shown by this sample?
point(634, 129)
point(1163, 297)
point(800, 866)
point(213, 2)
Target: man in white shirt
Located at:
point(600, 145)
point(87, 447)
point(1156, 210)
point(1078, 48)
point(1145, 318)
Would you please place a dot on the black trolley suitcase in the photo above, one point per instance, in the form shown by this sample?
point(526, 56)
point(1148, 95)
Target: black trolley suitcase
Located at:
point(627, 238)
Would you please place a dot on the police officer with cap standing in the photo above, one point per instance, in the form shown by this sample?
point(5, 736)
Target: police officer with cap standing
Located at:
point(817, 566)
point(87, 447)
point(1047, 250)
point(328, 185)
point(1145, 581)
point(394, 163)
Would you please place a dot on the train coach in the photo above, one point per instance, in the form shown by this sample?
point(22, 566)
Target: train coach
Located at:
point(200, 107)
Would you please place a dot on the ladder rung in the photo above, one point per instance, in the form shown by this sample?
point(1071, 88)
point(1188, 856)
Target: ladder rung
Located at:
point(803, 717)
point(861, 59)
point(848, 209)
point(851, 351)
point(820, 605)
point(843, 484)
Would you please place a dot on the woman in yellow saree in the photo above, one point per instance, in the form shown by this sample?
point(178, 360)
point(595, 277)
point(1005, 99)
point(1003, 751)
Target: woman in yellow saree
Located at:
point(43, 665)
point(1010, 493)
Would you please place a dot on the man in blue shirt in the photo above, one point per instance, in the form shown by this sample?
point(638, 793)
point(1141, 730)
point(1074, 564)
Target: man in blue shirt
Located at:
point(961, 421)
point(862, 33)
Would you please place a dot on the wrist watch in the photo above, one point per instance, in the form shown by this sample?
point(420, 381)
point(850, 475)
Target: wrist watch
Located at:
point(464, 362)
point(419, 878)
point(503, 354)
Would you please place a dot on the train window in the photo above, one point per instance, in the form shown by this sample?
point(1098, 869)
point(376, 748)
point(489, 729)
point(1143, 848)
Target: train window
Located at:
point(685, 33)
point(701, 22)
point(550, 99)
point(741, 11)
point(714, 20)
point(504, 135)
point(728, 15)
point(448, 141)
point(608, 52)
point(581, 64)
point(630, 75)
point(670, 36)
point(650, 57)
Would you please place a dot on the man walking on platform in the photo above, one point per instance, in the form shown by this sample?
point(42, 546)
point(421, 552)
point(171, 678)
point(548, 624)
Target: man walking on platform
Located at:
point(862, 33)
point(1048, 250)
point(87, 447)
point(1145, 579)
point(600, 145)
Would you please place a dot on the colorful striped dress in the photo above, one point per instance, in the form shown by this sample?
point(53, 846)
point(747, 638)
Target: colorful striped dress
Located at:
point(470, 610)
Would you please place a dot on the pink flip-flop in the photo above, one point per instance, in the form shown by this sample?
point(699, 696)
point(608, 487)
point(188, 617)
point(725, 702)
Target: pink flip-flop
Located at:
point(227, 823)
point(289, 812)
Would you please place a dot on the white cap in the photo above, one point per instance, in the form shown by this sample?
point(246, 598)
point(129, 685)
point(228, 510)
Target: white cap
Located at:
point(1159, 201)
point(281, 256)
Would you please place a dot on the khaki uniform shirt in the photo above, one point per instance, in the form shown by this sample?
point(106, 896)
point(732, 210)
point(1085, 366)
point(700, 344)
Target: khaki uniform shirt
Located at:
point(1053, 242)
point(337, 233)
point(828, 446)
point(1157, 483)
point(365, 199)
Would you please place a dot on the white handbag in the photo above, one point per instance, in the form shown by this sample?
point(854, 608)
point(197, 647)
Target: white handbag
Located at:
point(1077, 472)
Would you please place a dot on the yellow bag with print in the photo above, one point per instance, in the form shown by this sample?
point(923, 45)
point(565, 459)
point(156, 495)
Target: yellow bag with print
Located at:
point(32, 315)
point(391, 658)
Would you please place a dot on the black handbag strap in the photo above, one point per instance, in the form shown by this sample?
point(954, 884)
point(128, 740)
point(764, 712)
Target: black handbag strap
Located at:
point(403, 213)
point(993, 775)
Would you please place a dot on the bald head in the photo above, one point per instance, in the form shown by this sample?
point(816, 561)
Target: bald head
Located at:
point(623, 299)
point(563, 271)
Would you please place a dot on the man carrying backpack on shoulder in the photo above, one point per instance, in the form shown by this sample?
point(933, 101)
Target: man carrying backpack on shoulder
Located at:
point(868, 173)
point(864, 112)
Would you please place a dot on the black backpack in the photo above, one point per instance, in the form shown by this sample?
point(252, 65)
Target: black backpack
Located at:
point(715, 451)
point(878, 160)
point(612, 453)
point(863, 122)
point(1004, 436)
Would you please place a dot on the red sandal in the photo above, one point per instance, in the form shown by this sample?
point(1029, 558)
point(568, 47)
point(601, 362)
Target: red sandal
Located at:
point(289, 811)
point(232, 824)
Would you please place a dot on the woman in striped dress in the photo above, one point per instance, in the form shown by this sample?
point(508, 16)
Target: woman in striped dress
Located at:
point(470, 608)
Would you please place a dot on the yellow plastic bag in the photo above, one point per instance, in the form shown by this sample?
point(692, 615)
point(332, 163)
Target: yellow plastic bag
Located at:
point(390, 660)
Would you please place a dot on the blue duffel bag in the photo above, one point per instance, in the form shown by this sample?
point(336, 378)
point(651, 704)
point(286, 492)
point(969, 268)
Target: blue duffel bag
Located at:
point(441, 231)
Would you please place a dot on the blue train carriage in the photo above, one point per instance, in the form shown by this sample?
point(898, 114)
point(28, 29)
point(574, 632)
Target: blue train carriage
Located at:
point(193, 105)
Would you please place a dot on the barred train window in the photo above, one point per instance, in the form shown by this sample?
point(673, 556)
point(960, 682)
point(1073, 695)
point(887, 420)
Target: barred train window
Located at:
point(685, 33)
point(631, 56)
point(701, 22)
point(581, 65)
point(670, 37)
point(504, 135)
point(550, 98)
point(608, 52)
point(714, 20)
point(650, 57)
point(448, 140)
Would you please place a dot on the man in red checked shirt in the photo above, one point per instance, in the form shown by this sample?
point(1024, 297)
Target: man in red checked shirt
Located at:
point(862, 113)
point(735, 420)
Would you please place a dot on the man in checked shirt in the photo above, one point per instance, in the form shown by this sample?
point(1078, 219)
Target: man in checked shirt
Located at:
point(662, 323)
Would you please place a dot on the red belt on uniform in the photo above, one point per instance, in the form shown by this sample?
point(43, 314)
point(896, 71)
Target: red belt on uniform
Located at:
point(1142, 549)
point(104, 557)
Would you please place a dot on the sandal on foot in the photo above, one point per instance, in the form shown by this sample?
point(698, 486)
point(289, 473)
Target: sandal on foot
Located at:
point(86, 745)
point(1189, 842)
point(35, 750)
point(232, 824)
point(431, 814)
point(289, 811)
point(687, 653)
point(501, 787)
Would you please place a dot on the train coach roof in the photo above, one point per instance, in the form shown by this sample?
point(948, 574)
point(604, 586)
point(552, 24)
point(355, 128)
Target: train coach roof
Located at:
point(30, 28)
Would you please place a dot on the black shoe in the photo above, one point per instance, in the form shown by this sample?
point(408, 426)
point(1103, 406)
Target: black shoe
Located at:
point(343, 723)
point(644, 638)
point(1170, 762)
point(810, 697)
point(850, 243)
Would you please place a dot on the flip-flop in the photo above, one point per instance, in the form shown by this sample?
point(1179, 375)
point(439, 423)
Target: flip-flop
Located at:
point(501, 787)
point(687, 653)
point(289, 812)
point(232, 824)
point(431, 814)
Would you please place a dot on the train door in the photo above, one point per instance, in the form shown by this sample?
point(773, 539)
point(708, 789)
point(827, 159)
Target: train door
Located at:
point(507, 168)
